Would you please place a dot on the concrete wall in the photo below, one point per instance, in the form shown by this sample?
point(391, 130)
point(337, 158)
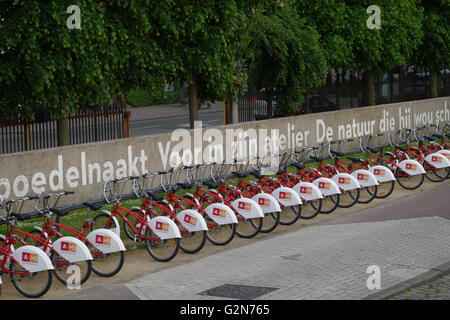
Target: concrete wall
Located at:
point(84, 168)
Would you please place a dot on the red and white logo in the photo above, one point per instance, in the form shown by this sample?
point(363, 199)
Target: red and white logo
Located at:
point(363, 177)
point(264, 202)
point(436, 159)
point(68, 246)
point(324, 185)
point(104, 240)
point(285, 195)
point(411, 166)
point(162, 226)
point(343, 180)
point(244, 206)
point(379, 172)
point(190, 219)
point(29, 257)
point(307, 190)
point(219, 212)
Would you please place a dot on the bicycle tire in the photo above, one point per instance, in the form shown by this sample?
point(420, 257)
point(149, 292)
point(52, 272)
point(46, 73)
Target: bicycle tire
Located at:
point(169, 246)
point(353, 196)
point(226, 231)
point(270, 222)
point(315, 209)
point(254, 226)
point(46, 282)
point(416, 181)
point(60, 266)
point(108, 260)
point(198, 242)
point(382, 193)
point(437, 175)
point(290, 215)
point(333, 200)
point(96, 224)
point(370, 191)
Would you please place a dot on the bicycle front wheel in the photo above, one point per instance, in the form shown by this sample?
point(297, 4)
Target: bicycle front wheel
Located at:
point(162, 250)
point(31, 285)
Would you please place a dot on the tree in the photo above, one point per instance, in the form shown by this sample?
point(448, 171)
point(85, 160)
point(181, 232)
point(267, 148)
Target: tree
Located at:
point(285, 54)
point(434, 52)
point(378, 50)
point(45, 64)
point(207, 38)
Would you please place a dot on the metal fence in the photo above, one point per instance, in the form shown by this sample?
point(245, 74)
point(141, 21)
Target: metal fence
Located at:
point(344, 90)
point(87, 125)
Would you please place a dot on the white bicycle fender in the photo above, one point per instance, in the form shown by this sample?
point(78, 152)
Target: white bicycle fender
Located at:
point(192, 220)
point(248, 208)
point(327, 186)
point(437, 160)
point(32, 259)
point(106, 241)
point(267, 202)
point(346, 181)
point(287, 197)
point(445, 153)
point(72, 249)
point(164, 228)
point(411, 167)
point(382, 173)
point(115, 230)
point(365, 178)
point(308, 191)
point(221, 214)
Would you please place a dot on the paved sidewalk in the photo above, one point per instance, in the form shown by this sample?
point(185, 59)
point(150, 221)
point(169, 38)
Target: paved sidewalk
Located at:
point(402, 237)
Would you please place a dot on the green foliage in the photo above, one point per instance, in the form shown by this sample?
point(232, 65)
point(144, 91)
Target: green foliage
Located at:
point(434, 51)
point(285, 54)
point(148, 97)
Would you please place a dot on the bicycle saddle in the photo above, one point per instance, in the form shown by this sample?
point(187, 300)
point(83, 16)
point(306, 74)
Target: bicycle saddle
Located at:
point(317, 159)
point(185, 185)
point(154, 196)
point(25, 216)
point(256, 174)
point(93, 205)
point(298, 165)
point(337, 153)
point(211, 185)
point(354, 159)
point(60, 212)
point(240, 174)
point(373, 150)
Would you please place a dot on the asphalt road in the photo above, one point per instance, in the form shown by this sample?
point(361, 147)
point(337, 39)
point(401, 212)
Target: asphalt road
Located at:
point(170, 123)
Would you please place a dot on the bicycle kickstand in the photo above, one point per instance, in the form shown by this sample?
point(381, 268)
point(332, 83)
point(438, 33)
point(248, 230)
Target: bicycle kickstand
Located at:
point(134, 246)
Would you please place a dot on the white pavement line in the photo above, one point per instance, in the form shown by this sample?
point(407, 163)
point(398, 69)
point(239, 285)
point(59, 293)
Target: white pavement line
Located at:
point(324, 261)
point(137, 292)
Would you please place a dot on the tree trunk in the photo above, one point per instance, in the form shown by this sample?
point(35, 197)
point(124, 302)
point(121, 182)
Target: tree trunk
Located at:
point(434, 93)
point(370, 87)
point(63, 131)
point(193, 101)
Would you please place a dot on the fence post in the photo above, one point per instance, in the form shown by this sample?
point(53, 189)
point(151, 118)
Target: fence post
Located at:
point(126, 123)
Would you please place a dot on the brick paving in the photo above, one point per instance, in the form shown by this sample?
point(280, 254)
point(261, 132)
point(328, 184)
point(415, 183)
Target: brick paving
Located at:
point(437, 289)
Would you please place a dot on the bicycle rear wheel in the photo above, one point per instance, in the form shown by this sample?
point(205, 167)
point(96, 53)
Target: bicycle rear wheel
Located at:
point(330, 203)
point(385, 189)
point(161, 250)
point(106, 264)
point(220, 235)
point(63, 270)
point(248, 228)
point(31, 285)
point(290, 215)
point(192, 242)
point(437, 175)
point(311, 209)
point(408, 182)
point(367, 194)
point(348, 198)
point(270, 222)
